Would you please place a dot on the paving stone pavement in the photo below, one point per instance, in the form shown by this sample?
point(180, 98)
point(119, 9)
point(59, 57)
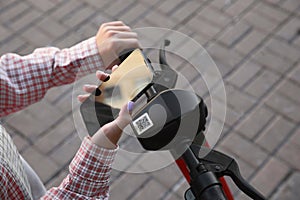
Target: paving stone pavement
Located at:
point(255, 44)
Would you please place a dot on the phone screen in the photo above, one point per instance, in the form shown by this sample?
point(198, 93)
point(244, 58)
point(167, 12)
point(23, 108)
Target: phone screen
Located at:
point(128, 80)
point(132, 76)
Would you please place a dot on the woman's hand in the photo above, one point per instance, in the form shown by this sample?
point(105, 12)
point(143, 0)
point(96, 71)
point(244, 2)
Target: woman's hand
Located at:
point(91, 88)
point(113, 38)
point(109, 135)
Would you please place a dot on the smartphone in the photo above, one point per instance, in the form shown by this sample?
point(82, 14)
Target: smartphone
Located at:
point(127, 82)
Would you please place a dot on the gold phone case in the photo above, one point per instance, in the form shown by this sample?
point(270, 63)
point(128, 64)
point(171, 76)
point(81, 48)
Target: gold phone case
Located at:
point(130, 78)
point(128, 81)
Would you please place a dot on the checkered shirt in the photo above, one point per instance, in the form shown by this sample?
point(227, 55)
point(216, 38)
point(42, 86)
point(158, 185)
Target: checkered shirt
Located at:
point(89, 174)
point(13, 180)
point(24, 80)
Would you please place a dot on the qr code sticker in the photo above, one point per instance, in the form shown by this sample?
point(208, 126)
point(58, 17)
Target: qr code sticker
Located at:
point(142, 124)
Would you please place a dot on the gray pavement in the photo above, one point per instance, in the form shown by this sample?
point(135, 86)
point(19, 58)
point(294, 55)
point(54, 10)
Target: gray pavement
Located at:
point(255, 44)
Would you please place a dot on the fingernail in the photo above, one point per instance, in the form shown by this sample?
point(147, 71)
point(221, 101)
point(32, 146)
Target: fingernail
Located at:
point(79, 98)
point(98, 92)
point(130, 106)
point(87, 85)
point(107, 78)
point(98, 72)
point(114, 67)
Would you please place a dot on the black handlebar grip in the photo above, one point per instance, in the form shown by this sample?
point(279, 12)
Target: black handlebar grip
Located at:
point(206, 186)
point(213, 192)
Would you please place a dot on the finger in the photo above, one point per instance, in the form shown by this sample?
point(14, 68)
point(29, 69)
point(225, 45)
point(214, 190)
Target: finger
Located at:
point(125, 35)
point(114, 68)
point(114, 23)
point(102, 76)
point(124, 117)
point(89, 88)
point(121, 32)
point(83, 97)
point(130, 106)
point(128, 43)
point(118, 28)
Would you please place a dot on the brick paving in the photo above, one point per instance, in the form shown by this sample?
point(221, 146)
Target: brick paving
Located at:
point(256, 45)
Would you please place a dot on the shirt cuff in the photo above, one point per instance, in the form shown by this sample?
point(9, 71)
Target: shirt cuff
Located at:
point(92, 162)
point(87, 54)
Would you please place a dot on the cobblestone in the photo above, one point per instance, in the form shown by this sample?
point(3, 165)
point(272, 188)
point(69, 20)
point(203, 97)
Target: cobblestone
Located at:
point(234, 34)
point(238, 101)
point(167, 176)
point(24, 21)
point(251, 41)
point(79, 16)
point(63, 154)
point(289, 30)
point(186, 10)
point(289, 190)
point(270, 12)
point(12, 13)
point(270, 176)
point(43, 165)
point(4, 32)
point(52, 27)
point(156, 18)
point(55, 136)
point(284, 106)
point(291, 5)
point(43, 5)
point(21, 122)
point(134, 13)
point(296, 42)
point(262, 84)
point(295, 74)
point(154, 191)
point(65, 9)
point(118, 191)
point(56, 181)
point(40, 39)
point(168, 6)
point(12, 45)
point(244, 74)
point(245, 169)
point(284, 50)
point(260, 22)
point(118, 7)
point(215, 17)
point(255, 122)
point(97, 4)
point(224, 55)
point(238, 7)
point(274, 134)
point(289, 154)
point(20, 142)
point(287, 88)
point(231, 116)
point(241, 147)
point(203, 27)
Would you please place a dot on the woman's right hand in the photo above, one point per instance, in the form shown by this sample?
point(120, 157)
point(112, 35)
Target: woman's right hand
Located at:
point(113, 38)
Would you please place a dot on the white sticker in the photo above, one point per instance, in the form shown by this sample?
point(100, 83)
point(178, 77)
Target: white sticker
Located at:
point(142, 124)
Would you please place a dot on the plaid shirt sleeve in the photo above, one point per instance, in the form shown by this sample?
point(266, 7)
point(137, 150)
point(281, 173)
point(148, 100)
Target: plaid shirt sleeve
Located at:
point(13, 180)
point(88, 176)
point(25, 79)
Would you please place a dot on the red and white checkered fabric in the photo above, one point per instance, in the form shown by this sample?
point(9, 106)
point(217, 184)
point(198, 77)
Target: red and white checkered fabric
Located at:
point(24, 80)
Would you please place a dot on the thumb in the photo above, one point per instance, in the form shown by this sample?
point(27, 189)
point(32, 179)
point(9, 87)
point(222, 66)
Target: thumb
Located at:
point(124, 117)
